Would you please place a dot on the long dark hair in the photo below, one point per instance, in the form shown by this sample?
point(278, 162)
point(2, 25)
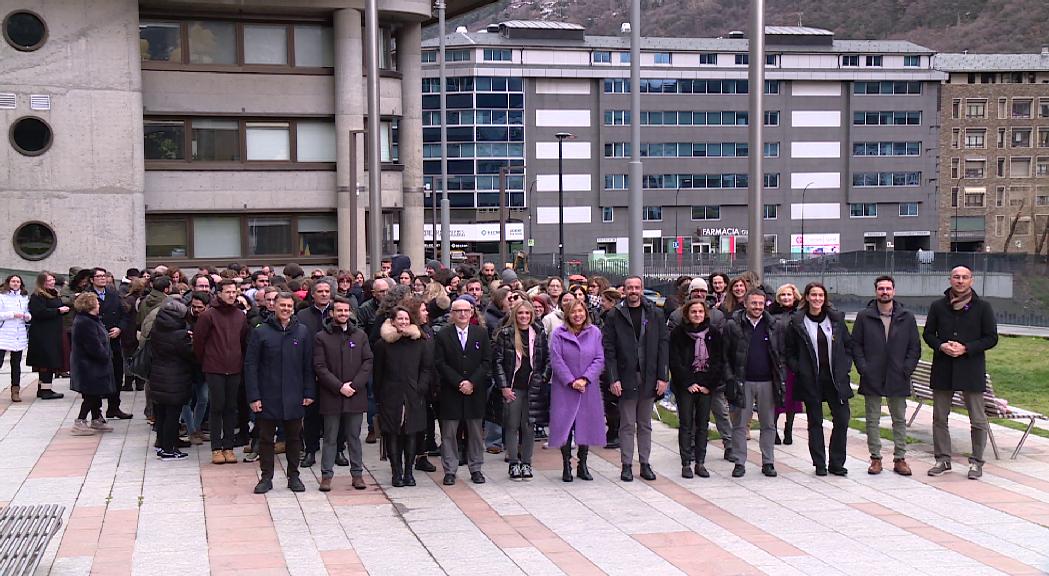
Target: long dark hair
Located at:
point(805, 295)
point(7, 284)
point(41, 279)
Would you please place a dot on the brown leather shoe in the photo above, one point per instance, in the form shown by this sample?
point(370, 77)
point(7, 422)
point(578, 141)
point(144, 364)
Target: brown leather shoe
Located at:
point(230, 456)
point(16, 394)
point(899, 466)
point(875, 467)
point(370, 438)
point(358, 483)
point(217, 457)
point(325, 485)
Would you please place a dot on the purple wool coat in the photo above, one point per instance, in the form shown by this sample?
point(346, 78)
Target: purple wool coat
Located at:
point(573, 357)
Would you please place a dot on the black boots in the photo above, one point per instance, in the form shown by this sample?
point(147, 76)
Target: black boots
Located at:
point(788, 429)
point(581, 471)
point(566, 463)
point(408, 457)
point(393, 452)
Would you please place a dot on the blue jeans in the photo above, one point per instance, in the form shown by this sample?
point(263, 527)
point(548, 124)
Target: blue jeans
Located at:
point(194, 417)
point(493, 435)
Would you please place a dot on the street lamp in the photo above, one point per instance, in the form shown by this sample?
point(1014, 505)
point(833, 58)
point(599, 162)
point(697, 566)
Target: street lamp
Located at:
point(433, 222)
point(803, 191)
point(679, 249)
point(561, 137)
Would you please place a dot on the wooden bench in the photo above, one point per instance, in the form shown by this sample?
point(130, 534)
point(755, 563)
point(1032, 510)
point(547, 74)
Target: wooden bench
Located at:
point(922, 391)
point(24, 534)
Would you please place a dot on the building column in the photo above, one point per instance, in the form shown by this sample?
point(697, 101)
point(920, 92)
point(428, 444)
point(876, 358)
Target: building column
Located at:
point(349, 123)
point(409, 63)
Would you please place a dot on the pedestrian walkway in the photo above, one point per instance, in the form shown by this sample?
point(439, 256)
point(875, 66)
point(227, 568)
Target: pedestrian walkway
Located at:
point(129, 513)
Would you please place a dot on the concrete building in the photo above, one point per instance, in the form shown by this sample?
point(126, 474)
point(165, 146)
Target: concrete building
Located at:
point(994, 138)
point(204, 132)
point(851, 139)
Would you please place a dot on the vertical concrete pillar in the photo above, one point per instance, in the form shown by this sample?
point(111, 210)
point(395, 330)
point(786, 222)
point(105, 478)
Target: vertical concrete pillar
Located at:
point(349, 121)
point(138, 199)
point(409, 63)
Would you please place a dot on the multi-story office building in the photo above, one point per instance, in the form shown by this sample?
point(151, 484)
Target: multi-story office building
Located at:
point(851, 137)
point(994, 137)
point(198, 131)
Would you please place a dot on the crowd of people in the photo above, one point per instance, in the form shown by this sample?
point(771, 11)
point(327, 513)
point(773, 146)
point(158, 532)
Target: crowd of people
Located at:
point(460, 363)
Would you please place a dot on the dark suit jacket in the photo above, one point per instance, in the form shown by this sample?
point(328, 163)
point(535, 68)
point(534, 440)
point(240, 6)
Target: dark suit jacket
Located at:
point(625, 354)
point(455, 365)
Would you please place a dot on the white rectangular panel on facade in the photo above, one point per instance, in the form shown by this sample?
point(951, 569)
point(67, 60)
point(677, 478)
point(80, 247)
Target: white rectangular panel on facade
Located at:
point(562, 86)
point(652, 234)
point(573, 183)
point(573, 214)
point(808, 61)
point(816, 211)
point(815, 149)
point(572, 150)
point(815, 118)
point(556, 57)
point(829, 88)
point(483, 232)
point(815, 243)
point(815, 180)
point(557, 118)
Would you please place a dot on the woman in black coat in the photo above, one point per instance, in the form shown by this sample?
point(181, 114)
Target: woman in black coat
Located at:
point(401, 381)
point(696, 373)
point(819, 352)
point(45, 334)
point(91, 365)
point(171, 374)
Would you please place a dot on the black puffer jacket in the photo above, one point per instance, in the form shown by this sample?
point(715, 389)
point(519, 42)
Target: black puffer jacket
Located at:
point(737, 334)
point(801, 357)
point(505, 361)
point(171, 373)
point(683, 352)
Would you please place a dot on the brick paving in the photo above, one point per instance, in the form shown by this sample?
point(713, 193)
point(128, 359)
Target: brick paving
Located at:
point(129, 513)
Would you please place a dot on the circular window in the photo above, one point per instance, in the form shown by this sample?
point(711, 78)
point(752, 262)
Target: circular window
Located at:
point(25, 30)
point(34, 241)
point(31, 135)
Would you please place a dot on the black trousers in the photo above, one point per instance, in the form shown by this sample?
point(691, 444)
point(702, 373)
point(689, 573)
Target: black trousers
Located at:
point(611, 406)
point(312, 428)
point(167, 416)
point(693, 411)
point(92, 405)
point(293, 441)
point(118, 374)
point(16, 366)
point(222, 394)
point(840, 414)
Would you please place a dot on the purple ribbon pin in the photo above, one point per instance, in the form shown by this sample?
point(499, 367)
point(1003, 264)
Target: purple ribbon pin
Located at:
point(477, 345)
point(294, 342)
point(353, 344)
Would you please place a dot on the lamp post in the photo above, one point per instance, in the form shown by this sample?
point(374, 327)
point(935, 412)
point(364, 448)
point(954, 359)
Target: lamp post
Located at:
point(679, 248)
point(446, 237)
point(529, 193)
point(803, 191)
point(561, 137)
point(432, 196)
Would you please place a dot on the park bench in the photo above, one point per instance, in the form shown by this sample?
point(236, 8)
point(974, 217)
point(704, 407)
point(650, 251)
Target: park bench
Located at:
point(995, 406)
point(24, 534)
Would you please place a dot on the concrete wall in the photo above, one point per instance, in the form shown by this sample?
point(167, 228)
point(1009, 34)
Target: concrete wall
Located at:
point(88, 185)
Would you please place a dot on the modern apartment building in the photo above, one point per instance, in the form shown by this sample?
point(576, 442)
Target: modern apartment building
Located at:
point(994, 137)
point(851, 139)
point(198, 132)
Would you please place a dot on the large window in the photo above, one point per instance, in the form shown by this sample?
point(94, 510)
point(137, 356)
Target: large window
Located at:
point(887, 87)
point(708, 212)
point(250, 46)
point(652, 213)
point(170, 142)
point(216, 237)
point(863, 210)
point(886, 118)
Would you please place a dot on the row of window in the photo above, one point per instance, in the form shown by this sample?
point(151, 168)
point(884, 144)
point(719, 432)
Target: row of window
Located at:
point(470, 183)
point(687, 181)
point(887, 118)
point(1020, 108)
point(471, 167)
point(222, 236)
point(686, 86)
point(478, 150)
point(886, 148)
point(478, 134)
point(251, 140)
point(689, 150)
point(1018, 167)
point(472, 84)
point(870, 209)
point(1014, 138)
point(1015, 196)
point(771, 212)
point(226, 43)
point(688, 118)
point(483, 101)
point(475, 117)
point(873, 179)
point(886, 87)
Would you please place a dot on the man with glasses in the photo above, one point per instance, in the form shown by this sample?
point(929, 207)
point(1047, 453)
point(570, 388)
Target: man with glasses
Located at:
point(462, 356)
point(960, 328)
point(113, 316)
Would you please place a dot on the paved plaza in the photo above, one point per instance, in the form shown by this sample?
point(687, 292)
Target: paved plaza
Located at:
point(129, 513)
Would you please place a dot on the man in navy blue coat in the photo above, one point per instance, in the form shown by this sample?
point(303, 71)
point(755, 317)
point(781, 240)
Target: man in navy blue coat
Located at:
point(278, 379)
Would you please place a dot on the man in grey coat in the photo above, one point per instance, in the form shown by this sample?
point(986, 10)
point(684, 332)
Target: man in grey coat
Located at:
point(886, 350)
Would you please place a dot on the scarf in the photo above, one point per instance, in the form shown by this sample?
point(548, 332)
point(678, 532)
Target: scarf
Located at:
point(960, 300)
point(701, 358)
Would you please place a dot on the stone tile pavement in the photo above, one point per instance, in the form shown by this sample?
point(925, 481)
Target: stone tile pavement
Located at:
point(129, 513)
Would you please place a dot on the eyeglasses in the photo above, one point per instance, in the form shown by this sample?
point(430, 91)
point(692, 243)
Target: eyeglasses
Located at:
point(513, 298)
point(462, 310)
point(99, 276)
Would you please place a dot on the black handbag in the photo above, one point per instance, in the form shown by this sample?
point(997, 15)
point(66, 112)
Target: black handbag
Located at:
point(141, 361)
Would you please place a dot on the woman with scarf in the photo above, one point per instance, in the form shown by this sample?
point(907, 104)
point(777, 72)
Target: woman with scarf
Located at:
point(819, 352)
point(696, 363)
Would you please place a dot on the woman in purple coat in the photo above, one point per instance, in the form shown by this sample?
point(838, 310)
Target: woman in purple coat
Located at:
point(576, 409)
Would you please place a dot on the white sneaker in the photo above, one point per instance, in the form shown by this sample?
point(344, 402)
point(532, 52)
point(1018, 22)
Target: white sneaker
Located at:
point(82, 428)
point(101, 425)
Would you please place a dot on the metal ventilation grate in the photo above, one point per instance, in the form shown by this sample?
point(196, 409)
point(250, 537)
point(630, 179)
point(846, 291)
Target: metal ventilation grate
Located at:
point(40, 102)
point(8, 101)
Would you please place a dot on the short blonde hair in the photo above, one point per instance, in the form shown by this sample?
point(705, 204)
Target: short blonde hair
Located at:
point(788, 287)
point(85, 302)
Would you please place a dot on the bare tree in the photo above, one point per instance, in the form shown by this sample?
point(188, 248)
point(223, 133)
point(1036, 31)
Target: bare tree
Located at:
point(1012, 225)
